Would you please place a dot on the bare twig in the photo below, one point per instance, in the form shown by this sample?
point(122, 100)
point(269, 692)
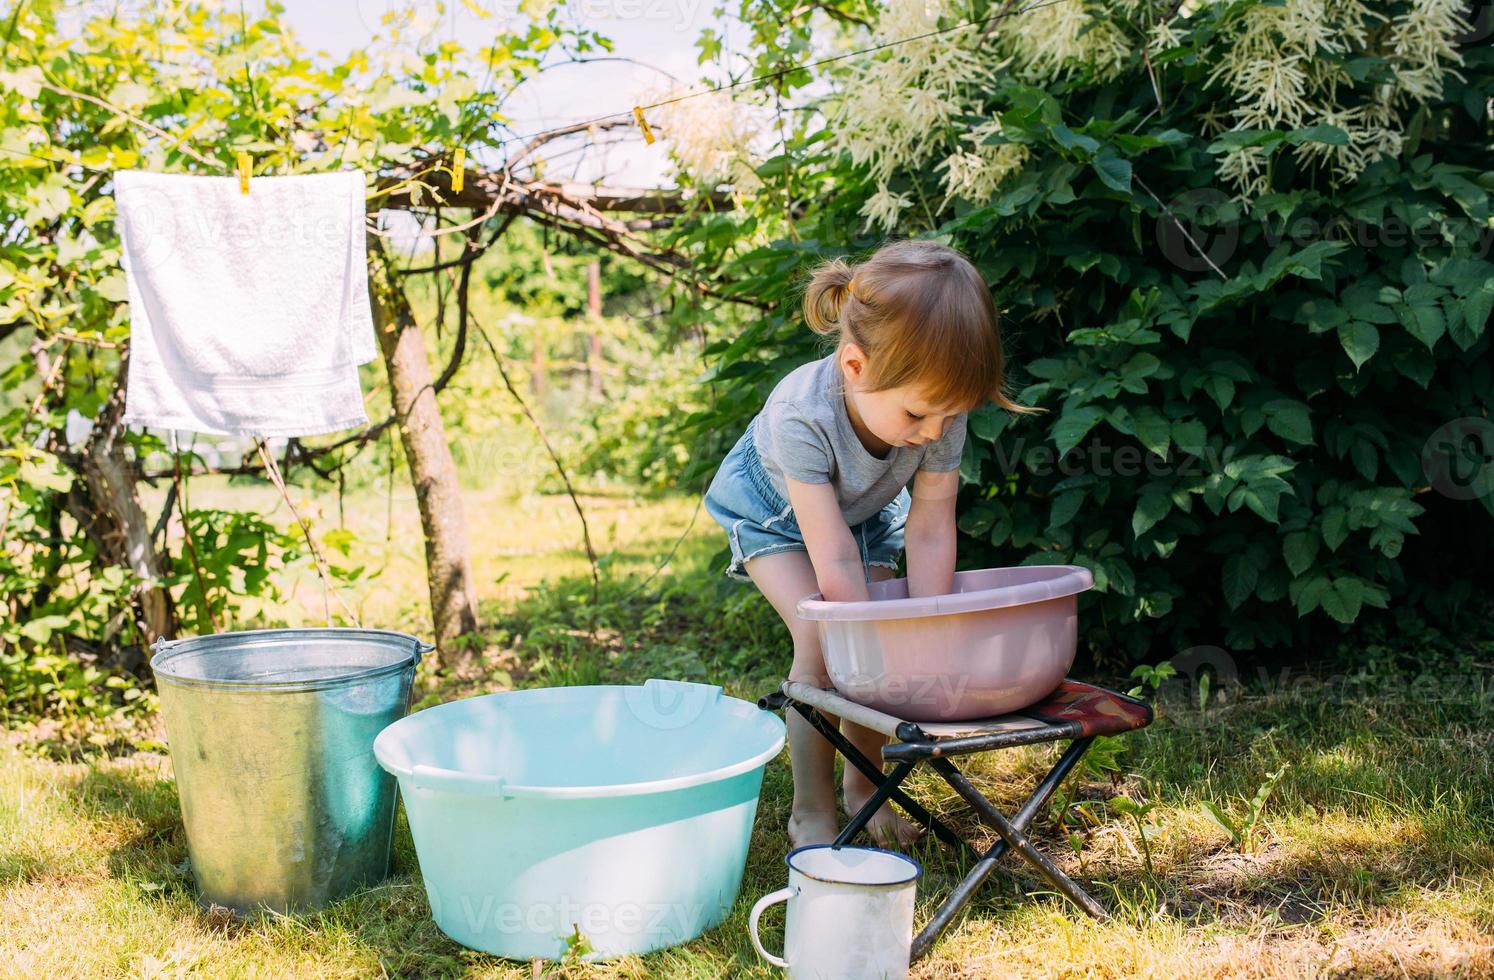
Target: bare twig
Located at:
point(699, 500)
point(273, 472)
point(591, 554)
point(528, 149)
point(838, 14)
point(176, 142)
point(181, 503)
point(1180, 226)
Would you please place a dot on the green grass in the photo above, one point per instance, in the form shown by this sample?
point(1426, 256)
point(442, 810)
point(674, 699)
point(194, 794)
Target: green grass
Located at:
point(1374, 854)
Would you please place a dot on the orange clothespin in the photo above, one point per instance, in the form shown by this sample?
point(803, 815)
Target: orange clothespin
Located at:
point(458, 169)
point(243, 171)
point(648, 133)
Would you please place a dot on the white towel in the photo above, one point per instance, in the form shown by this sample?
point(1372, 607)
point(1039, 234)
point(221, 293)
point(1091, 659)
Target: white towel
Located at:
point(249, 313)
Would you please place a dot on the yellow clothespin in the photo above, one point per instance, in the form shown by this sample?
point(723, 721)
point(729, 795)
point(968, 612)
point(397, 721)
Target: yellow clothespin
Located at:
point(458, 169)
point(243, 171)
point(648, 133)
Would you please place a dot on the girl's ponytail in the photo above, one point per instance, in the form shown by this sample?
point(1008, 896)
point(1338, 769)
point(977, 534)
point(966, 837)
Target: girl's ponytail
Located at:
point(825, 296)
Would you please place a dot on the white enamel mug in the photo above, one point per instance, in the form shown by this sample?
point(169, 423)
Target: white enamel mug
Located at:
point(849, 915)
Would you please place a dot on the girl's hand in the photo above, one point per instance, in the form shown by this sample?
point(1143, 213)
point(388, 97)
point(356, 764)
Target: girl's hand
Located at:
point(929, 536)
point(832, 547)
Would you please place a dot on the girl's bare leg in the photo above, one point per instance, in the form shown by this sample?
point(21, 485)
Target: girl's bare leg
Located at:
point(886, 827)
point(785, 578)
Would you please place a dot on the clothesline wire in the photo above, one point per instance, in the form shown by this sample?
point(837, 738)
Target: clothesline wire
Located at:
point(755, 81)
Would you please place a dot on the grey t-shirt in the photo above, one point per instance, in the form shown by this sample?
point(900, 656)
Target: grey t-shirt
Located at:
point(803, 432)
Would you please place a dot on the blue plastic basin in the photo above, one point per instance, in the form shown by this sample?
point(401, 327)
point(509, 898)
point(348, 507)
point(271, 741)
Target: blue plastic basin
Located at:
point(614, 815)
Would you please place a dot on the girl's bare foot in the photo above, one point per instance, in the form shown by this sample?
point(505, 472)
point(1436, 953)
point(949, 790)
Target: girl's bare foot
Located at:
point(812, 827)
point(886, 827)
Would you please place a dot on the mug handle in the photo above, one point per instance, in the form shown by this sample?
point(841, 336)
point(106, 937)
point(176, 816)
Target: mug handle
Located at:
point(772, 898)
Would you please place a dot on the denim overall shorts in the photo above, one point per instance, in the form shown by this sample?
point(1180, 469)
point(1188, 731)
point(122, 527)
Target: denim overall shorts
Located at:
point(758, 521)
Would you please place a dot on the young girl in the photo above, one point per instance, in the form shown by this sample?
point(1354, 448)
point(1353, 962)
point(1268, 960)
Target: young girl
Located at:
point(814, 495)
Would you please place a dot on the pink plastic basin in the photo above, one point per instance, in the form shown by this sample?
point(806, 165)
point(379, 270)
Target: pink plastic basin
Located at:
point(1002, 640)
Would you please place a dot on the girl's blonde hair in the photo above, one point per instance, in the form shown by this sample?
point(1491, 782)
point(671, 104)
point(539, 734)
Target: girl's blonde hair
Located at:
point(923, 315)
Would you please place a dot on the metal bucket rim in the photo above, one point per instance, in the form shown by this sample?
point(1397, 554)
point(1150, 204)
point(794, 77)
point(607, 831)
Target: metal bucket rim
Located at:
point(167, 650)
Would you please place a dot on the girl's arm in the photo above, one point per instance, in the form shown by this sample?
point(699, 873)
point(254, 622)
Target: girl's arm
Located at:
point(929, 536)
point(832, 547)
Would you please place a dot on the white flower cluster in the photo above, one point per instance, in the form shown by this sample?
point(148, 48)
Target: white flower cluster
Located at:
point(1282, 64)
point(710, 137)
point(1057, 39)
point(974, 174)
point(1276, 64)
point(893, 111)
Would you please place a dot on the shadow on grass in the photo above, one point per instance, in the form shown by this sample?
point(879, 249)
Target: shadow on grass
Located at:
point(1381, 801)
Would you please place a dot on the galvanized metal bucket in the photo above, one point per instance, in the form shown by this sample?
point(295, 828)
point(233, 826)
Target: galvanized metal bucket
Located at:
point(271, 735)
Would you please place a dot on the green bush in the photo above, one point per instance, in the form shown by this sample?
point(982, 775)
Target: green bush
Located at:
point(1249, 448)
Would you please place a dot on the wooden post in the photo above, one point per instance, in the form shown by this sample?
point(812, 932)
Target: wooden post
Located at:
point(432, 471)
point(594, 312)
point(537, 368)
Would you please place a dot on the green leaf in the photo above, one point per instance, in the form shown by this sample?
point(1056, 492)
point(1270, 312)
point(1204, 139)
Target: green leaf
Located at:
point(977, 520)
point(1307, 593)
point(1152, 429)
point(1299, 549)
point(1335, 526)
point(1241, 138)
point(1069, 140)
point(40, 629)
point(1289, 419)
point(1114, 172)
point(1074, 425)
point(44, 471)
point(1416, 364)
point(1343, 600)
point(25, 82)
point(1360, 340)
point(1221, 389)
point(1152, 505)
point(1361, 301)
point(1213, 812)
point(988, 422)
point(1421, 315)
point(1240, 575)
point(340, 540)
point(1065, 506)
point(1263, 793)
point(1476, 308)
point(1366, 458)
point(1191, 437)
point(1321, 133)
point(113, 288)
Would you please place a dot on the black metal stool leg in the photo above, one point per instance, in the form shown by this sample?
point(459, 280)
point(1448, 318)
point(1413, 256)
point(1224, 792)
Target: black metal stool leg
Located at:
point(874, 773)
point(1016, 840)
point(981, 870)
point(912, 746)
point(863, 816)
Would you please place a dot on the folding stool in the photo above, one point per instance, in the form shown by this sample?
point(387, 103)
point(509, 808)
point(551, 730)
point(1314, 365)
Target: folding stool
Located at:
point(1076, 711)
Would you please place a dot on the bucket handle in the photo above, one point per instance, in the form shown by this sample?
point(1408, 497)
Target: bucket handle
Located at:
point(441, 779)
point(772, 898)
